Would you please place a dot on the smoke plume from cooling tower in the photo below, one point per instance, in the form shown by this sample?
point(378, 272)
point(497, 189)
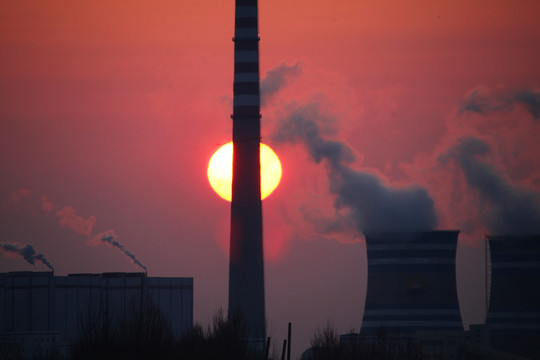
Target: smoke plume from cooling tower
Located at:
point(110, 237)
point(484, 101)
point(508, 208)
point(27, 252)
point(370, 204)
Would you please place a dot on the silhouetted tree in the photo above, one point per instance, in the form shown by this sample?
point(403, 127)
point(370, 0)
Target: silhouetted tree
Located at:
point(325, 344)
point(95, 336)
point(144, 333)
point(225, 339)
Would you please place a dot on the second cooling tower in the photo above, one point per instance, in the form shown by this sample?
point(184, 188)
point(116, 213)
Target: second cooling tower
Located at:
point(412, 282)
point(514, 305)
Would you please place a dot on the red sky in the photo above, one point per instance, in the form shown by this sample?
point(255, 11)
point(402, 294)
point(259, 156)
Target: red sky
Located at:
point(113, 109)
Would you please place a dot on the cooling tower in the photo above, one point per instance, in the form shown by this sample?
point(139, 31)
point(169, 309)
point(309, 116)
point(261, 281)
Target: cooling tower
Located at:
point(411, 282)
point(513, 317)
point(246, 267)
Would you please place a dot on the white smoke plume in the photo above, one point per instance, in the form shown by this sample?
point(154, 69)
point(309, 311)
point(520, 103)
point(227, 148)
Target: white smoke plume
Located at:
point(27, 252)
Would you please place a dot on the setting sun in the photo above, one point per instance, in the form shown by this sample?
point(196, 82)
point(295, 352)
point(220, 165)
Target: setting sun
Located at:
point(220, 171)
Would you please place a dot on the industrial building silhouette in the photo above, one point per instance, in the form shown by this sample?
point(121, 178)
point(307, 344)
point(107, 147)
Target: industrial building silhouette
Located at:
point(411, 294)
point(38, 309)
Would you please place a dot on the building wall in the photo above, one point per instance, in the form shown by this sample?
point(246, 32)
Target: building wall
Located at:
point(514, 309)
point(73, 294)
point(412, 282)
point(38, 301)
point(173, 299)
point(26, 301)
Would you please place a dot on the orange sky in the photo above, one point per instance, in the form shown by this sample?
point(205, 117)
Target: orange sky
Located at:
point(114, 109)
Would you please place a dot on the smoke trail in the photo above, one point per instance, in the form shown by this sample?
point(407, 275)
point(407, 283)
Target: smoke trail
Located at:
point(27, 252)
point(68, 218)
point(369, 203)
point(84, 226)
point(276, 79)
point(110, 238)
point(509, 209)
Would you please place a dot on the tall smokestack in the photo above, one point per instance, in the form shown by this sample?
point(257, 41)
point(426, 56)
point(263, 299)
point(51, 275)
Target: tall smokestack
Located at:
point(246, 267)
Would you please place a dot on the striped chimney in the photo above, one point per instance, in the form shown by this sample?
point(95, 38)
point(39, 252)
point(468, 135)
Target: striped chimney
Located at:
point(246, 267)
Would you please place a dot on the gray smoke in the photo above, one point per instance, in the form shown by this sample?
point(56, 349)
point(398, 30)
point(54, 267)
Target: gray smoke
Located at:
point(27, 252)
point(276, 79)
point(531, 100)
point(370, 204)
point(110, 238)
point(484, 102)
point(509, 209)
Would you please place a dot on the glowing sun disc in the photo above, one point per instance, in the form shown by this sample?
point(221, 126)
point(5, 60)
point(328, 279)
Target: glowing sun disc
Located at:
point(220, 171)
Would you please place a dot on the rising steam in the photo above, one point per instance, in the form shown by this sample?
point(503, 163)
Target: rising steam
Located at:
point(27, 252)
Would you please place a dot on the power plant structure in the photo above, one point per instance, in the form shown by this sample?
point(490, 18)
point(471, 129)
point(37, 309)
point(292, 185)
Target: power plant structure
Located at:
point(513, 317)
point(246, 266)
point(411, 283)
point(39, 309)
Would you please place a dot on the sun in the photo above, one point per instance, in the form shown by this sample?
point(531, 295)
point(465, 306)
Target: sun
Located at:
point(220, 171)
